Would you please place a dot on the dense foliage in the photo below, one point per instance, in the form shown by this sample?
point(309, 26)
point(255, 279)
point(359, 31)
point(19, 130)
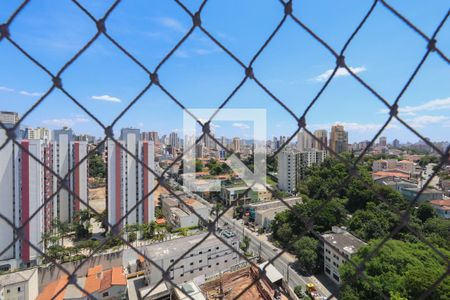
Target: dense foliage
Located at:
point(97, 167)
point(403, 269)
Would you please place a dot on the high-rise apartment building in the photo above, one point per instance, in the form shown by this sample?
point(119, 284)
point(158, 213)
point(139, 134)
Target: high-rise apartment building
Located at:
point(27, 183)
point(9, 117)
point(338, 139)
point(129, 182)
point(66, 154)
point(174, 140)
point(38, 133)
point(321, 135)
point(382, 141)
point(292, 166)
point(150, 136)
point(304, 141)
point(396, 143)
point(237, 145)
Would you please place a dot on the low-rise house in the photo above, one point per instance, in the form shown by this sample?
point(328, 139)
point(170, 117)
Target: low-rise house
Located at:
point(426, 195)
point(21, 285)
point(230, 194)
point(339, 246)
point(108, 284)
point(442, 208)
point(180, 213)
point(395, 182)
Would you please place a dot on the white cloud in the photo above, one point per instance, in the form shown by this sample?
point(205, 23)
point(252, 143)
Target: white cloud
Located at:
point(106, 98)
point(30, 94)
point(241, 125)
point(65, 122)
point(422, 121)
point(171, 24)
point(6, 89)
point(341, 72)
point(355, 126)
point(432, 105)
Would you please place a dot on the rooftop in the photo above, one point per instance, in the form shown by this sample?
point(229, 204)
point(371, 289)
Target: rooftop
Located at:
point(179, 246)
point(343, 240)
point(443, 204)
point(16, 277)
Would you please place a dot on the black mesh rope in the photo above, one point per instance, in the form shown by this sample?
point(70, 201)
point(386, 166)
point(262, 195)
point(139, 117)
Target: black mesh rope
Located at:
point(248, 74)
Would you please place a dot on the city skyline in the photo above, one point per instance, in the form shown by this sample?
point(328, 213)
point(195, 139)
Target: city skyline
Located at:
point(199, 72)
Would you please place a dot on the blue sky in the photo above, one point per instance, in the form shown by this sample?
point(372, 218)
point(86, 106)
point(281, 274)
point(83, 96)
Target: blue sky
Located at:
point(293, 66)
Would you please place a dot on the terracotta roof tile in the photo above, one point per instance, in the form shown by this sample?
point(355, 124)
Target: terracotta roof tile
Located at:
point(118, 276)
point(106, 280)
point(53, 288)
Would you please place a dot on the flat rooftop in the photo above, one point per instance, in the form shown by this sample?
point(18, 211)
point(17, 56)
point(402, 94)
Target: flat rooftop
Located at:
point(178, 246)
point(344, 241)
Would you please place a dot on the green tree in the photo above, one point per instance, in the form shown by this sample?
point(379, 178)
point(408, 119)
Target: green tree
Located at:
point(97, 167)
point(306, 249)
point(425, 211)
point(245, 244)
point(408, 269)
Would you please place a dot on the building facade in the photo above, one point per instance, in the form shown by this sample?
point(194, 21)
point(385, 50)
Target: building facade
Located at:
point(292, 166)
point(338, 139)
point(129, 182)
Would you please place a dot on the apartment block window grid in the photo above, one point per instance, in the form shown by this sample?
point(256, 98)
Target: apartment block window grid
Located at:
point(56, 82)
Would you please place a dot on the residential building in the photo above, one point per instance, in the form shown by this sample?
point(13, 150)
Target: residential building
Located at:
point(150, 136)
point(23, 285)
point(38, 133)
point(338, 139)
point(442, 208)
point(129, 181)
point(292, 166)
point(210, 257)
point(287, 170)
point(393, 165)
point(230, 194)
point(382, 141)
point(67, 156)
point(174, 140)
point(236, 145)
point(396, 143)
point(339, 246)
point(322, 135)
point(108, 284)
point(395, 182)
point(304, 141)
point(9, 117)
point(426, 195)
point(179, 214)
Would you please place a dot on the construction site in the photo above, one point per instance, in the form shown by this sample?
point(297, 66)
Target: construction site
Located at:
point(240, 284)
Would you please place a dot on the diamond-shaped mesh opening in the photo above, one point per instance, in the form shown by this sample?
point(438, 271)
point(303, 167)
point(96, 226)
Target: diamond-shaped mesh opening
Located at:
point(322, 201)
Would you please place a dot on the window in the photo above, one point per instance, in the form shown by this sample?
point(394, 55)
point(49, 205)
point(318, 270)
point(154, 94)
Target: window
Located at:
point(106, 294)
point(171, 260)
point(200, 269)
point(336, 277)
point(209, 266)
point(226, 261)
point(18, 289)
point(200, 261)
point(181, 275)
point(191, 263)
point(217, 264)
point(328, 271)
point(192, 272)
point(201, 252)
point(217, 248)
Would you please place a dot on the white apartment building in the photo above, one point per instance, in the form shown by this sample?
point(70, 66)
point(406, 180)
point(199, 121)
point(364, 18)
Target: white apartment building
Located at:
point(292, 166)
point(38, 133)
point(339, 246)
point(210, 257)
point(66, 154)
point(25, 184)
point(22, 285)
point(305, 141)
point(129, 181)
point(286, 171)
